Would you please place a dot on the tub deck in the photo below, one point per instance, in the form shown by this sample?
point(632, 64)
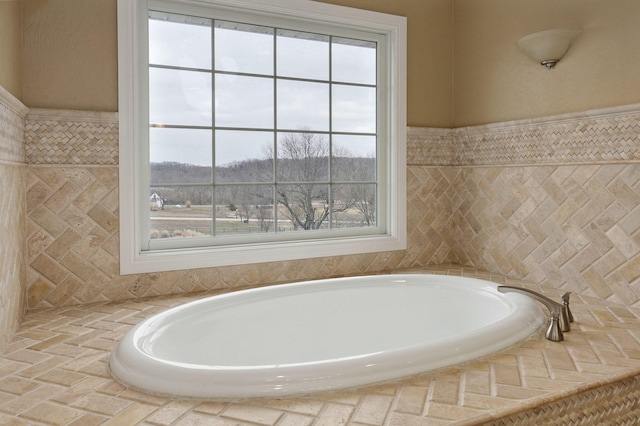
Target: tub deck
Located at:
point(54, 372)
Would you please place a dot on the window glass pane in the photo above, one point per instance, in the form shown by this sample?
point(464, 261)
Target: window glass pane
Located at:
point(303, 105)
point(353, 61)
point(243, 209)
point(179, 97)
point(179, 40)
point(244, 156)
point(245, 102)
point(303, 157)
point(303, 55)
point(303, 207)
point(185, 212)
point(354, 158)
point(354, 205)
point(354, 109)
point(243, 48)
point(180, 155)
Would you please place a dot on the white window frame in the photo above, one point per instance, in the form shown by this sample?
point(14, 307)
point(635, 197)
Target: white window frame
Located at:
point(133, 118)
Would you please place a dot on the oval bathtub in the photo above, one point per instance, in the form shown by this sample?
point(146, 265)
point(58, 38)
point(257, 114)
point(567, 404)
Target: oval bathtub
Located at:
point(320, 335)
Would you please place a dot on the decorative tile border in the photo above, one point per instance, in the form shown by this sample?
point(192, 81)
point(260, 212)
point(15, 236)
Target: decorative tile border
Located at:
point(71, 137)
point(613, 403)
point(602, 136)
point(429, 146)
point(599, 136)
point(592, 137)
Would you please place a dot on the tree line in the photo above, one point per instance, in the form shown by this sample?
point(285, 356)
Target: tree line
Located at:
point(304, 197)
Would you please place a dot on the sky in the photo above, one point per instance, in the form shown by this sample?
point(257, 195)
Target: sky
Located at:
point(193, 96)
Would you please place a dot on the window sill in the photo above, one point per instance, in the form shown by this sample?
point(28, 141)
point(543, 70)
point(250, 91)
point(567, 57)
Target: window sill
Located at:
point(169, 260)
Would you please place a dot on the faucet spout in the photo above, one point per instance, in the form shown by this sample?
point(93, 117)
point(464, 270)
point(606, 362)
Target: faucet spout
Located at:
point(555, 329)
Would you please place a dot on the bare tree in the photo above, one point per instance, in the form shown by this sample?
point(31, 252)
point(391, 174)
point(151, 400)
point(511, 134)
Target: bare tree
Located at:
point(303, 169)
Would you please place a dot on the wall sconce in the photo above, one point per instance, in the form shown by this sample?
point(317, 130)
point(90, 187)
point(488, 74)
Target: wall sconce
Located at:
point(547, 47)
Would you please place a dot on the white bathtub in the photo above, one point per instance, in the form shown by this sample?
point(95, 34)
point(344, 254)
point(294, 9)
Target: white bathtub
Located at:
point(320, 336)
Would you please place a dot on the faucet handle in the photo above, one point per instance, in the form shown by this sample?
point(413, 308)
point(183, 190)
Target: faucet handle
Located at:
point(554, 331)
point(565, 306)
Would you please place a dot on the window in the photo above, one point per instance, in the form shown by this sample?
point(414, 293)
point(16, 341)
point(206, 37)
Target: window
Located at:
point(258, 131)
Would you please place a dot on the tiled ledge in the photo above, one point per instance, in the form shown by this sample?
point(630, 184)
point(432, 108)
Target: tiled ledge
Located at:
point(54, 372)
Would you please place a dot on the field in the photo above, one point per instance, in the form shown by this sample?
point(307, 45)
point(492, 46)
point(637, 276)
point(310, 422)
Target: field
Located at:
point(196, 221)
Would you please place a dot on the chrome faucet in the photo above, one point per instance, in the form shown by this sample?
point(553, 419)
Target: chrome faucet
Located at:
point(560, 313)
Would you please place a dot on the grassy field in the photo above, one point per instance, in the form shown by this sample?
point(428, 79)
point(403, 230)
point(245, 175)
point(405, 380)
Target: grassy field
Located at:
point(197, 221)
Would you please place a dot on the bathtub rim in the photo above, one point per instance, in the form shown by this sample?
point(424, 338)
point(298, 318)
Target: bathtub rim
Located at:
point(230, 386)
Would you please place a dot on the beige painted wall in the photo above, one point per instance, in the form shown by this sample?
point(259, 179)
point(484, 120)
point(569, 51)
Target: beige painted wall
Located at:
point(429, 56)
point(70, 54)
point(11, 47)
point(494, 81)
point(70, 57)
point(70, 51)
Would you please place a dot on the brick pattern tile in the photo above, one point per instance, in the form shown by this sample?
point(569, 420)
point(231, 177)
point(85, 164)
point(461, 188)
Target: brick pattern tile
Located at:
point(54, 372)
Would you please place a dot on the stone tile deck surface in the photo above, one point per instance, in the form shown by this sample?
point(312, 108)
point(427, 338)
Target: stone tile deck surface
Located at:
point(54, 372)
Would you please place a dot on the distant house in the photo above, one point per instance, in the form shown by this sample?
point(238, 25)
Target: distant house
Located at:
point(155, 202)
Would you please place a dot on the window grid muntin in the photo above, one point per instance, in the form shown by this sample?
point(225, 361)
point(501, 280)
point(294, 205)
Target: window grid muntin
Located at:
point(331, 183)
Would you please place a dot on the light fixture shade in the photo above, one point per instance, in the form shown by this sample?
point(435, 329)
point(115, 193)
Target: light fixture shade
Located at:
point(547, 47)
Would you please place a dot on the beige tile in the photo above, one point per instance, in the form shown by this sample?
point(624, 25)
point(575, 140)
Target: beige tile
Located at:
point(247, 413)
point(50, 269)
point(17, 385)
point(61, 377)
point(334, 415)
point(170, 413)
point(506, 375)
point(411, 400)
point(49, 221)
point(101, 404)
point(63, 197)
point(53, 414)
point(131, 415)
point(373, 409)
point(195, 419)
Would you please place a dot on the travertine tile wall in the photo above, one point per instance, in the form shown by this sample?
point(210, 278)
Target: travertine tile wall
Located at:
point(72, 240)
point(554, 201)
point(12, 215)
point(571, 227)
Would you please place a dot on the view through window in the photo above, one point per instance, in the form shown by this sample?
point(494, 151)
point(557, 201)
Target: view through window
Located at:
point(259, 130)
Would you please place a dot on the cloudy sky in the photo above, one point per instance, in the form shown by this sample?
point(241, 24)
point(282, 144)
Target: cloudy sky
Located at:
point(240, 95)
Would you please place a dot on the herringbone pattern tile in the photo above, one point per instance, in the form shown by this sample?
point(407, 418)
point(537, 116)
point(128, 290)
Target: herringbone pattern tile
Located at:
point(54, 373)
point(73, 252)
point(570, 227)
